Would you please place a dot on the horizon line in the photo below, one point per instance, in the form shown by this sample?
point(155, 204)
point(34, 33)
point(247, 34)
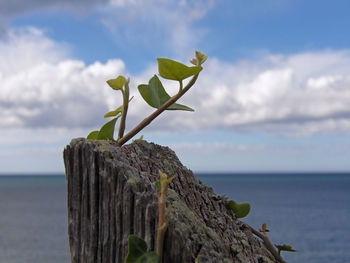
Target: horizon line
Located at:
point(198, 172)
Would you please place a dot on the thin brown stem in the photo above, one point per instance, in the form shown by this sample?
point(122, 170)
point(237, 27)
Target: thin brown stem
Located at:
point(162, 214)
point(162, 223)
point(155, 114)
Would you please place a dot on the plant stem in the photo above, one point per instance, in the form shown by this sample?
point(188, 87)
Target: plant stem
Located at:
point(155, 114)
point(123, 119)
point(162, 223)
point(162, 214)
point(268, 244)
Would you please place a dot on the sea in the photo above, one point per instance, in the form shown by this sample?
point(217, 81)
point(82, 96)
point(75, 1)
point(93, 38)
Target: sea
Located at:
point(309, 211)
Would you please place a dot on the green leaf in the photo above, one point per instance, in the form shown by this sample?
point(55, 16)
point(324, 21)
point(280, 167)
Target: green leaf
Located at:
point(194, 61)
point(240, 210)
point(114, 112)
point(107, 130)
point(155, 95)
point(285, 248)
point(92, 135)
point(171, 69)
point(117, 83)
point(137, 251)
point(201, 58)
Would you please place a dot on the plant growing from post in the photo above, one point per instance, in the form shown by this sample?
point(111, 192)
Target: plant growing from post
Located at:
point(156, 96)
point(153, 93)
point(137, 247)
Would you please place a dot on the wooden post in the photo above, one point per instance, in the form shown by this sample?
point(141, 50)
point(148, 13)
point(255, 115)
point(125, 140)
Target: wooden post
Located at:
point(111, 194)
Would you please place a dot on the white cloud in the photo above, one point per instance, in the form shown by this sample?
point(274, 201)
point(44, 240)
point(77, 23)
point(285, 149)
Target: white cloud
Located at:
point(42, 87)
point(300, 94)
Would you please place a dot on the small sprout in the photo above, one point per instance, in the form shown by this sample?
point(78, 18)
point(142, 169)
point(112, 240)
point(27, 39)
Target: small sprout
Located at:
point(164, 180)
point(200, 58)
point(194, 61)
point(285, 248)
point(240, 210)
point(264, 229)
point(117, 83)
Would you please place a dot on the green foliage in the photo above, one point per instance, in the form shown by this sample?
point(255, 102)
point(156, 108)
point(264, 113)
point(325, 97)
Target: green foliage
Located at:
point(155, 95)
point(105, 133)
point(107, 130)
point(117, 83)
point(170, 69)
point(199, 59)
point(137, 251)
point(114, 112)
point(285, 248)
point(240, 210)
point(93, 135)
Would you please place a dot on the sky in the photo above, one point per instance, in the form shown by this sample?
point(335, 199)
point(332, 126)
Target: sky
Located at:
point(273, 96)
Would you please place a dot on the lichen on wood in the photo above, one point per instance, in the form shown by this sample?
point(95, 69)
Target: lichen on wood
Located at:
point(111, 194)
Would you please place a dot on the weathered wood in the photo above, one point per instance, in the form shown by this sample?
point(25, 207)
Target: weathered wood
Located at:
point(111, 194)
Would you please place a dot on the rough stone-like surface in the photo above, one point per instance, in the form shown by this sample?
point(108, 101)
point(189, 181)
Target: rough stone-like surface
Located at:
point(111, 194)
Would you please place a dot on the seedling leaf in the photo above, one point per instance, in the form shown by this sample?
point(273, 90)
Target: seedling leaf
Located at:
point(137, 251)
point(117, 83)
point(194, 61)
point(285, 248)
point(264, 229)
point(107, 130)
point(240, 210)
point(155, 95)
point(200, 57)
point(114, 112)
point(171, 69)
point(92, 135)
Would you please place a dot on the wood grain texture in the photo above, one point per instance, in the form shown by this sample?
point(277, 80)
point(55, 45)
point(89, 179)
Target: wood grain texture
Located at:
point(111, 194)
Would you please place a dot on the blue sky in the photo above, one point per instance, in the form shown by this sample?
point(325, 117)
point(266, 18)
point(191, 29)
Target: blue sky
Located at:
point(274, 94)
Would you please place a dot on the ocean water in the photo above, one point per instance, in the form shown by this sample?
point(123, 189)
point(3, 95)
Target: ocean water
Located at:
point(311, 212)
